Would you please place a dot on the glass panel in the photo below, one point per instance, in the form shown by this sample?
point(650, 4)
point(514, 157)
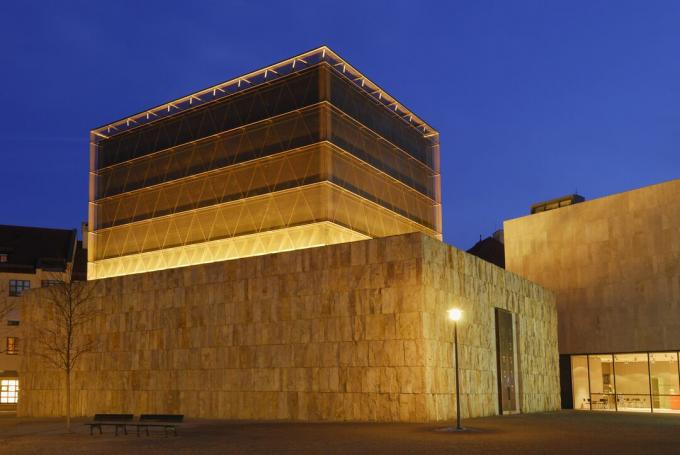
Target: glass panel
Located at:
point(356, 176)
point(16, 287)
point(632, 382)
point(601, 382)
point(283, 171)
point(9, 391)
point(372, 149)
point(579, 380)
point(371, 114)
point(665, 384)
point(232, 147)
point(285, 95)
point(295, 207)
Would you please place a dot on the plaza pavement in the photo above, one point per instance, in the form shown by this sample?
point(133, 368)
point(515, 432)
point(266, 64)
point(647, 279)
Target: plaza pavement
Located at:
point(566, 432)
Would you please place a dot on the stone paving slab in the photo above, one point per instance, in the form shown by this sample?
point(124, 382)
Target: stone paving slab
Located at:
point(556, 433)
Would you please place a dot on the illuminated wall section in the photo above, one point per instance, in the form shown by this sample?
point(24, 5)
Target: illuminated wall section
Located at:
point(312, 156)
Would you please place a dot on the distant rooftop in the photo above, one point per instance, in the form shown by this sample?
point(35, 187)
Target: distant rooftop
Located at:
point(27, 248)
point(262, 76)
point(557, 203)
point(491, 249)
point(79, 272)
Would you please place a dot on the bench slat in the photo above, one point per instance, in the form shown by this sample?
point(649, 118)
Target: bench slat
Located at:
point(113, 418)
point(161, 418)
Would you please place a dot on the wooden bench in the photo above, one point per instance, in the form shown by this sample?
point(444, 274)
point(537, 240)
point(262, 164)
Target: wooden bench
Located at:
point(165, 421)
point(114, 420)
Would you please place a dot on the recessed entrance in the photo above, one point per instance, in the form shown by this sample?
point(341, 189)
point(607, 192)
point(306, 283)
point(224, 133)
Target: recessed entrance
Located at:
point(506, 362)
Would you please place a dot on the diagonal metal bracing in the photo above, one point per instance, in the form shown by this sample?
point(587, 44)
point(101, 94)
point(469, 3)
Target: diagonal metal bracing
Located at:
point(263, 76)
point(172, 195)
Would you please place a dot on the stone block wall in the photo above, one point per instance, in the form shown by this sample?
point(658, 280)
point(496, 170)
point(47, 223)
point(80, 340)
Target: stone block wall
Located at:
point(453, 278)
point(614, 266)
point(353, 331)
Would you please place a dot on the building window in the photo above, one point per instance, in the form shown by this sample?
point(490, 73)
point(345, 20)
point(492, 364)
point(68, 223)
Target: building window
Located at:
point(9, 391)
point(12, 322)
point(46, 283)
point(665, 381)
point(632, 381)
point(16, 287)
point(638, 382)
point(601, 369)
point(3, 257)
point(12, 345)
point(579, 380)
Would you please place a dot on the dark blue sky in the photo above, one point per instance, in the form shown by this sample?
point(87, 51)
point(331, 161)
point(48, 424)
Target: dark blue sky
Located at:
point(533, 99)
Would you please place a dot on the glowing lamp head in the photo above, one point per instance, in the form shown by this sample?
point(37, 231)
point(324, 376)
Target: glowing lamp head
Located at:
point(455, 314)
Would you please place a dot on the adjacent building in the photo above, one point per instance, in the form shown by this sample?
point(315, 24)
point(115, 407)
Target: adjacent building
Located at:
point(614, 265)
point(30, 258)
point(491, 249)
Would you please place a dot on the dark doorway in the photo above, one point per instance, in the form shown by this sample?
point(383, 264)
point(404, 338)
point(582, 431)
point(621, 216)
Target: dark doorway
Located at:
point(505, 355)
point(565, 382)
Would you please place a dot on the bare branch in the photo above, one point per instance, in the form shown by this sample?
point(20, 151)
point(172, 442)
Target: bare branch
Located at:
point(6, 307)
point(56, 336)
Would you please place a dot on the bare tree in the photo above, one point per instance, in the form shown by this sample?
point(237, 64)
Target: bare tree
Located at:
point(7, 305)
point(59, 337)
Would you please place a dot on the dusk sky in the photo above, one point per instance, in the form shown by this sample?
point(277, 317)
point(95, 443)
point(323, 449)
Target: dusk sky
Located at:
point(532, 99)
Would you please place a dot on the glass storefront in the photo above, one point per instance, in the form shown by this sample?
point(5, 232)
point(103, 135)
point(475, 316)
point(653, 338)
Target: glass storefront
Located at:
point(601, 375)
point(637, 382)
point(664, 381)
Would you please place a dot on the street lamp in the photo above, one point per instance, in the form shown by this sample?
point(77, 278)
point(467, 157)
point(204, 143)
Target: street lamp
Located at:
point(455, 314)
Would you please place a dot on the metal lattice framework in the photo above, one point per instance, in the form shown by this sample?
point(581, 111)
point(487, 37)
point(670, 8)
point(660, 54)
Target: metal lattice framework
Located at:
point(262, 76)
point(303, 153)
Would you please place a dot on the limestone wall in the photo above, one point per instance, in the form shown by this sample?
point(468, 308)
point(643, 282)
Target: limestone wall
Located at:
point(614, 265)
point(353, 331)
point(453, 278)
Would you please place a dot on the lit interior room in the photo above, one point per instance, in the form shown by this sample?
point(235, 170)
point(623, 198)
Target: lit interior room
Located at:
point(633, 382)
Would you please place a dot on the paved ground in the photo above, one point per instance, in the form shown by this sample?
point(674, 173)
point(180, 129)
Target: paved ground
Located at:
point(565, 432)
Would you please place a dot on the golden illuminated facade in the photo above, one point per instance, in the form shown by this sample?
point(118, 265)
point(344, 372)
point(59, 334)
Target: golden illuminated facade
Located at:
point(304, 153)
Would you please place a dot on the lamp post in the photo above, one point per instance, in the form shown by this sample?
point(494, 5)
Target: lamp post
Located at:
point(455, 315)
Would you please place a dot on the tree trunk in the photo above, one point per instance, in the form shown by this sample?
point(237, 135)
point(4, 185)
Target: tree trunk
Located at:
point(68, 401)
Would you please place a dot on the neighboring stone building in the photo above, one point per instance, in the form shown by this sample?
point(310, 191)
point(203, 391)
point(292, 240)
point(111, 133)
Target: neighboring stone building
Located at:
point(354, 331)
point(614, 265)
point(30, 257)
